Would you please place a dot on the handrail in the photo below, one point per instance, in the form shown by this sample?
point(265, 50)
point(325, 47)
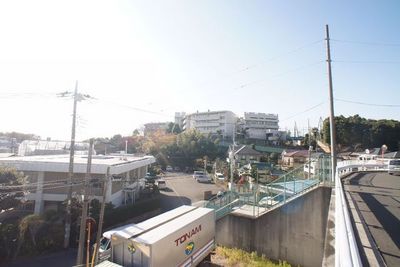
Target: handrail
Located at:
point(346, 250)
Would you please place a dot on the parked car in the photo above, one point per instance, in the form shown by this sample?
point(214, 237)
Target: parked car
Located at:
point(169, 169)
point(266, 201)
point(201, 177)
point(219, 177)
point(161, 184)
point(394, 166)
point(197, 174)
point(150, 178)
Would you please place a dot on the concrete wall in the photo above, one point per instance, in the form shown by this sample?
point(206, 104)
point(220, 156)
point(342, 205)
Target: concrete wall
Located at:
point(294, 232)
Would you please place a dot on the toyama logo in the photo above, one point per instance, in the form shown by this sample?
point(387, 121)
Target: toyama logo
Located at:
point(189, 248)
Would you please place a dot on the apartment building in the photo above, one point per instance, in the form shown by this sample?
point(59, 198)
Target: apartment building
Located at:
point(259, 125)
point(212, 122)
point(47, 177)
point(179, 118)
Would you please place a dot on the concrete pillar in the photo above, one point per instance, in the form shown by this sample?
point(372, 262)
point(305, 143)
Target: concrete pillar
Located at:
point(109, 189)
point(39, 202)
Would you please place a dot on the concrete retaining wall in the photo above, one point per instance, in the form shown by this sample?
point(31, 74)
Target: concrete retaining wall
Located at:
point(294, 232)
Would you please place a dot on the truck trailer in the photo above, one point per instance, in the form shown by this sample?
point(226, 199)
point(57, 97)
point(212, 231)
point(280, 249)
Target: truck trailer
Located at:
point(181, 237)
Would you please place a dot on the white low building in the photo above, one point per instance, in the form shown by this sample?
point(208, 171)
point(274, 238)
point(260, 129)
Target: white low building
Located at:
point(47, 177)
point(212, 122)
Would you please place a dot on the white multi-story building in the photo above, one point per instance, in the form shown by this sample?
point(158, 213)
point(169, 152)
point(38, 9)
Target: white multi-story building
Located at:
point(179, 118)
point(258, 125)
point(47, 177)
point(214, 122)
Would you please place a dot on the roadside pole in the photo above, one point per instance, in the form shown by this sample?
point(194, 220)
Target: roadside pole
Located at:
point(79, 259)
point(101, 217)
point(332, 112)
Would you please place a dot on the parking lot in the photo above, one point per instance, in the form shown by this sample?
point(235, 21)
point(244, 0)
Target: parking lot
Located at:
point(182, 189)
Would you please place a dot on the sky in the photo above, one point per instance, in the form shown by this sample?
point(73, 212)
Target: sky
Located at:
point(142, 61)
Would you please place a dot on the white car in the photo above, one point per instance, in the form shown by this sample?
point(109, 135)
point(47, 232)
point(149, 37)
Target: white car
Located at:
point(219, 176)
point(169, 169)
point(394, 166)
point(161, 184)
point(266, 201)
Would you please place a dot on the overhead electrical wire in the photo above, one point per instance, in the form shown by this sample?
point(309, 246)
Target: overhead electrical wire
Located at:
point(367, 62)
point(44, 188)
point(365, 43)
point(304, 111)
point(280, 74)
point(367, 104)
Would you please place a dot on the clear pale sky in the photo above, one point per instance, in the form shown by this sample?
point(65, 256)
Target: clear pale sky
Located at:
point(145, 60)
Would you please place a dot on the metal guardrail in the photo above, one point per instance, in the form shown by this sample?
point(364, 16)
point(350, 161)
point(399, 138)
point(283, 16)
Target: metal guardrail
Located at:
point(261, 198)
point(297, 182)
point(346, 250)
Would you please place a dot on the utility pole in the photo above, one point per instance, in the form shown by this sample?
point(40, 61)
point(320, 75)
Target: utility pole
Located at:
point(101, 216)
point(332, 113)
point(70, 171)
point(232, 157)
point(79, 259)
point(77, 97)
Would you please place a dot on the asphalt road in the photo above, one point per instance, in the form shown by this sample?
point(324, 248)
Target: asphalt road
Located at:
point(182, 189)
point(376, 196)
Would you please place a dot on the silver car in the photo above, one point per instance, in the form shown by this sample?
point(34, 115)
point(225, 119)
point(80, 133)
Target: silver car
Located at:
point(394, 166)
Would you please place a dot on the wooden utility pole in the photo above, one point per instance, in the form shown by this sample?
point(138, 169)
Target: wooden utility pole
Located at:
point(85, 206)
point(101, 216)
point(70, 172)
point(332, 113)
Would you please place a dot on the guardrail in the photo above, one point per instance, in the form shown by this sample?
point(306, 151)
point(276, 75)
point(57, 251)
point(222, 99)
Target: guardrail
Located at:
point(346, 250)
point(255, 199)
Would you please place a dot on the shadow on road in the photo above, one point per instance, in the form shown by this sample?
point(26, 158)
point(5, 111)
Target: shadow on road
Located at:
point(65, 258)
point(172, 202)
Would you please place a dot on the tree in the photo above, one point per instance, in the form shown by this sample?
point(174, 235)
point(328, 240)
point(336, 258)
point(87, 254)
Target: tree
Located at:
point(173, 128)
point(359, 132)
point(11, 191)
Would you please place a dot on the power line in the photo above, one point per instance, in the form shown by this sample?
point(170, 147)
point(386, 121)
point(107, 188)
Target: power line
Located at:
point(366, 43)
point(267, 60)
point(280, 74)
point(44, 188)
point(368, 104)
point(304, 111)
point(367, 62)
point(279, 56)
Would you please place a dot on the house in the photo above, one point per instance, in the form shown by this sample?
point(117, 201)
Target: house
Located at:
point(294, 158)
point(47, 177)
point(246, 154)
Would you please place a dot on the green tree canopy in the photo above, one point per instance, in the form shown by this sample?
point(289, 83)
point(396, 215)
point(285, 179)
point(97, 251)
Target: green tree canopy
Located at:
point(357, 132)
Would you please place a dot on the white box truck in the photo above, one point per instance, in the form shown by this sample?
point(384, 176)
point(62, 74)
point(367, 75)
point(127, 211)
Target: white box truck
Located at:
point(180, 237)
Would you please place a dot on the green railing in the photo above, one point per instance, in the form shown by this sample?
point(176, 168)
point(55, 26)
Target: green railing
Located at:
point(255, 199)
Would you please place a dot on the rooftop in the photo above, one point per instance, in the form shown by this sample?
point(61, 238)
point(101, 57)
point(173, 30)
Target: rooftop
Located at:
point(60, 163)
